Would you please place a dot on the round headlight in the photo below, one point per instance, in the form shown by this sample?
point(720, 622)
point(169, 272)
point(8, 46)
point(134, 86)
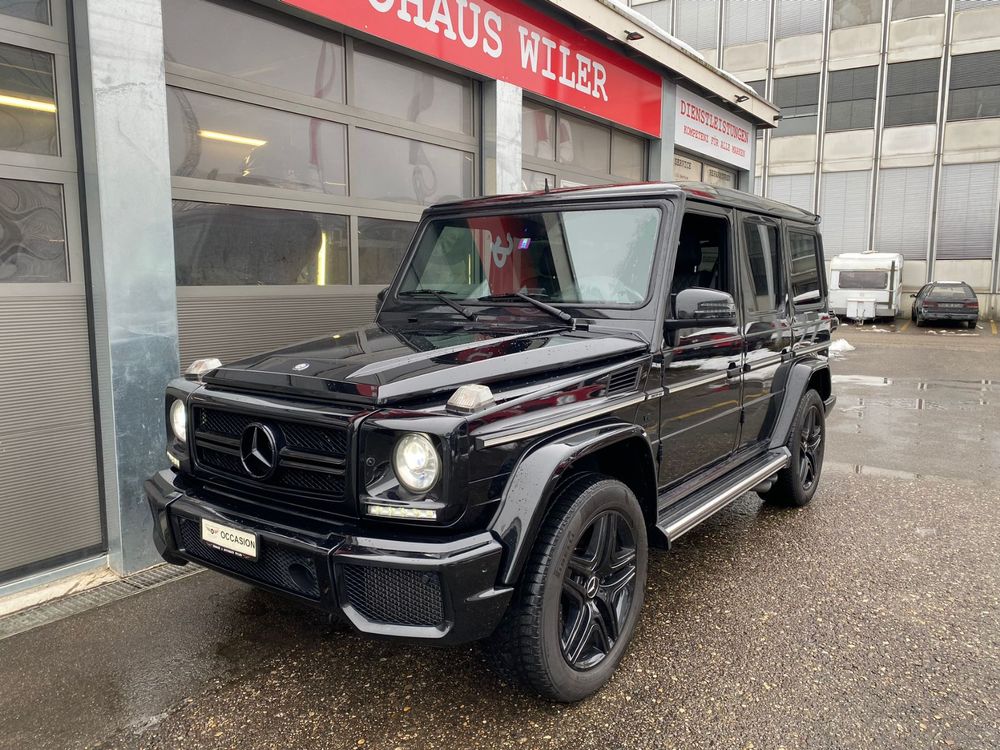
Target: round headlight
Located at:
point(416, 462)
point(178, 420)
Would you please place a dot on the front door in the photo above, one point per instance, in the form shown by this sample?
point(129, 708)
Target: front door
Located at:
point(700, 410)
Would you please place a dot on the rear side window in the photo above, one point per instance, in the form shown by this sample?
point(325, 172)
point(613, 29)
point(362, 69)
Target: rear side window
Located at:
point(803, 251)
point(863, 279)
point(762, 279)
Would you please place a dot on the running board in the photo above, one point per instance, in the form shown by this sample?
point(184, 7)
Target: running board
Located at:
point(678, 519)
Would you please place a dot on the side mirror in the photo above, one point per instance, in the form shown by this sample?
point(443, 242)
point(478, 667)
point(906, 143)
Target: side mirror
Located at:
point(914, 295)
point(381, 294)
point(702, 308)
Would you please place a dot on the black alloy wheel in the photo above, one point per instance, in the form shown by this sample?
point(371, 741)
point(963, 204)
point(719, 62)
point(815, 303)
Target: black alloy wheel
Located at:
point(597, 591)
point(579, 595)
point(810, 445)
point(796, 484)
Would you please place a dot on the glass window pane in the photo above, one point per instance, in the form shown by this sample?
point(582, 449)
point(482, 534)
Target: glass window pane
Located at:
point(218, 244)
point(532, 181)
point(538, 131)
point(628, 156)
point(405, 89)
point(686, 168)
point(584, 145)
point(246, 44)
point(381, 246)
point(30, 10)
point(719, 177)
point(971, 104)
point(796, 17)
point(856, 12)
point(32, 232)
point(27, 101)
point(399, 169)
point(220, 139)
point(802, 249)
point(761, 274)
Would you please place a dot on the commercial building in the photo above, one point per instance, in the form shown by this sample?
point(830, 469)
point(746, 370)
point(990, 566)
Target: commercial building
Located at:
point(215, 178)
point(890, 122)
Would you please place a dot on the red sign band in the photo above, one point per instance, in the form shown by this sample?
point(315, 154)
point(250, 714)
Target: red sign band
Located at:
point(508, 41)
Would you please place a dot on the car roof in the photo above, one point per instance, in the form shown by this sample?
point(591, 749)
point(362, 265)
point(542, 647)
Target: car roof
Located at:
point(696, 191)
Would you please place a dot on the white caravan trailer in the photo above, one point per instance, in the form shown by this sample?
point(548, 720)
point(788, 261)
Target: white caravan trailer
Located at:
point(866, 285)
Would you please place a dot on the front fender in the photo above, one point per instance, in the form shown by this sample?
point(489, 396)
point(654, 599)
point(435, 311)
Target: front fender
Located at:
point(530, 490)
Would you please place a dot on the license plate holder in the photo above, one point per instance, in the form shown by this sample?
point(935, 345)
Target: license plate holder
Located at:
point(230, 539)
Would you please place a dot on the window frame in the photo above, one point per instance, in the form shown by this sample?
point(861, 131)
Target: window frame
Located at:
point(788, 229)
point(560, 170)
point(889, 97)
point(184, 77)
point(952, 88)
point(780, 275)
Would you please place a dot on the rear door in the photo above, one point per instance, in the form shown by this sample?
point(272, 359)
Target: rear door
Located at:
point(767, 325)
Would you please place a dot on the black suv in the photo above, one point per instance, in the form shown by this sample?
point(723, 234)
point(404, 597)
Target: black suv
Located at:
point(553, 382)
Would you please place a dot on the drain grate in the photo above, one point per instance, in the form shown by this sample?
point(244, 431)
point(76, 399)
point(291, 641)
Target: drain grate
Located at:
point(74, 604)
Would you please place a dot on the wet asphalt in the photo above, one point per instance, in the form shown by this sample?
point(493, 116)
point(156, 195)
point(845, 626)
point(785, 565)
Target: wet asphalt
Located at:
point(869, 619)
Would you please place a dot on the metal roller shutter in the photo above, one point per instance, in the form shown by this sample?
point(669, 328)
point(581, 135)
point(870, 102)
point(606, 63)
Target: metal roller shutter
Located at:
point(845, 212)
point(236, 327)
point(797, 17)
point(746, 21)
point(967, 211)
point(795, 189)
point(698, 23)
point(904, 212)
point(50, 507)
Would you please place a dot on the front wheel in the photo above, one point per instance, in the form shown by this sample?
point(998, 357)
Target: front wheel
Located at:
point(580, 594)
point(796, 483)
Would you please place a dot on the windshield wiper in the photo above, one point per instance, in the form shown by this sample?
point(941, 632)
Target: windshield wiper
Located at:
point(554, 311)
point(440, 294)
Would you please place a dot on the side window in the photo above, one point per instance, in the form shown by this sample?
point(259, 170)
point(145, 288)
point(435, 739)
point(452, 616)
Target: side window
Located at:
point(763, 283)
point(704, 255)
point(803, 251)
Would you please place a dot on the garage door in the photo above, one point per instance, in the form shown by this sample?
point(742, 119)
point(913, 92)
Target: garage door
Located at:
point(50, 508)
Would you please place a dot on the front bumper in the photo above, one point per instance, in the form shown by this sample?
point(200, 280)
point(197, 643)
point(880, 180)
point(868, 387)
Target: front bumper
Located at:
point(445, 592)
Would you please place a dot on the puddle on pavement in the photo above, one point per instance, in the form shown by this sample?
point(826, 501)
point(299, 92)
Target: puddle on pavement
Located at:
point(872, 380)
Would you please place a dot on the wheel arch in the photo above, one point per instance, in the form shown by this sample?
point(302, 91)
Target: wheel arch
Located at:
point(806, 374)
point(619, 450)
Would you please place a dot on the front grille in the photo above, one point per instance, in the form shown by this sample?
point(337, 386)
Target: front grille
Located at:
point(311, 458)
point(281, 567)
point(392, 596)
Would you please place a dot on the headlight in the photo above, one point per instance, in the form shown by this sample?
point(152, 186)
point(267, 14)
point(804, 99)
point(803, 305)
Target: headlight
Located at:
point(416, 462)
point(178, 420)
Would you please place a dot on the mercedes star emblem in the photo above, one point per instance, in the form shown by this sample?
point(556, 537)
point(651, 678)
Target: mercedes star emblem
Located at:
point(301, 366)
point(259, 451)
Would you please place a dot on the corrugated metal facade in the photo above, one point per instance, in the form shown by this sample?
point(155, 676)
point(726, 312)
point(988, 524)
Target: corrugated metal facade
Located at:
point(845, 212)
point(904, 212)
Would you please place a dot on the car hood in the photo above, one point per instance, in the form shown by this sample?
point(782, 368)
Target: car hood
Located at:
point(381, 365)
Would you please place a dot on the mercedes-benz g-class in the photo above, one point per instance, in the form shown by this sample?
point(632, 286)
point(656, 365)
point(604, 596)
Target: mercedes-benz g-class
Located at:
point(553, 382)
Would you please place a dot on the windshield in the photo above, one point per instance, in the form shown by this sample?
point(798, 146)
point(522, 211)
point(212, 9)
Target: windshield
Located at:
point(593, 257)
point(863, 279)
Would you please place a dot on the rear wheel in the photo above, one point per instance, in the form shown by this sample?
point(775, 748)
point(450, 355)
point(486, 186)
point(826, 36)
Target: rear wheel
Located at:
point(579, 597)
point(971, 323)
point(796, 484)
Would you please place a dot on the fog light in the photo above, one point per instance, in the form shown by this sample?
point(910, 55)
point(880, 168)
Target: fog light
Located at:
point(402, 511)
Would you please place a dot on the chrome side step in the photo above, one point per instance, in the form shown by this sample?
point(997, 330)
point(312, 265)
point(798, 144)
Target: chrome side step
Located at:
point(678, 519)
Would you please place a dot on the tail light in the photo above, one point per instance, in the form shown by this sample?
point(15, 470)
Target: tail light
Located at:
point(930, 303)
point(973, 305)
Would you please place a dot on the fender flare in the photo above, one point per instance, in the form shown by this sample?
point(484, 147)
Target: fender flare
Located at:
point(797, 382)
point(530, 489)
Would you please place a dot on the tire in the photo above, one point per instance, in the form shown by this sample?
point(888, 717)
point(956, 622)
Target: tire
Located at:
point(572, 618)
point(796, 484)
point(970, 324)
point(913, 314)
